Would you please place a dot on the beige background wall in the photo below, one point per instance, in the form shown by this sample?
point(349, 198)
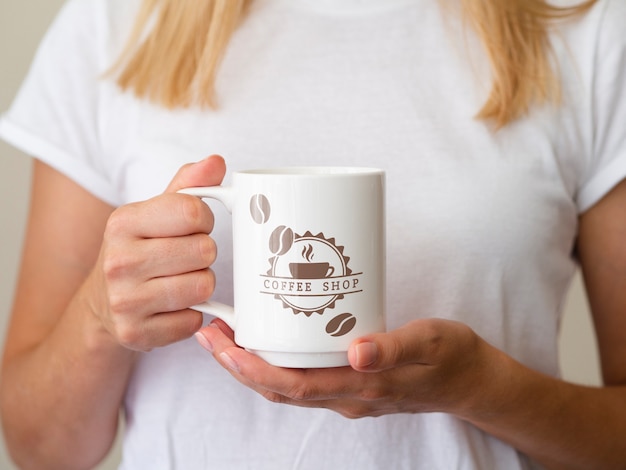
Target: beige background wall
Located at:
point(22, 23)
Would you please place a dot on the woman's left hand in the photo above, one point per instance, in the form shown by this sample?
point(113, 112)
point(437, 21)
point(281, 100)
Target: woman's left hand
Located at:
point(427, 365)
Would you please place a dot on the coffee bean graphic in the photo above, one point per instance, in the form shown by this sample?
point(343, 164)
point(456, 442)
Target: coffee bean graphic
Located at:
point(281, 240)
point(259, 208)
point(341, 324)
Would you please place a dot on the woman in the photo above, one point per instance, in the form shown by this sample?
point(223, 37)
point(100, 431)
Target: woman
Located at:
point(501, 128)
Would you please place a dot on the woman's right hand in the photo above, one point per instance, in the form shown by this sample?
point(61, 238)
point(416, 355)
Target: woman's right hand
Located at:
point(155, 262)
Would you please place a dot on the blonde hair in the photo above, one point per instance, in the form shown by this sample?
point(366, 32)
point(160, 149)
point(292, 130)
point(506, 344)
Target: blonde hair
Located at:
point(515, 36)
point(175, 48)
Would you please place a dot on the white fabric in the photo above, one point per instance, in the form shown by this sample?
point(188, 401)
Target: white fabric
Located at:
point(480, 226)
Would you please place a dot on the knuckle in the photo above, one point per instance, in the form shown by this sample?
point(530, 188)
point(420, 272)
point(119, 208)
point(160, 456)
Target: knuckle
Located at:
point(184, 168)
point(273, 397)
point(193, 211)
point(354, 411)
point(117, 222)
point(129, 336)
point(433, 338)
point(299, 392)
point(373, 393)
point(207, 249)
point(189, 323)
point(124, 304)
point(118, 261)
point(119, 304)
point(114, 264)
point(396, 351)
point(205, 285)
point(195, 324)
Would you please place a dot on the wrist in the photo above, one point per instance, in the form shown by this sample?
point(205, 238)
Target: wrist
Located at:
point(495, 386)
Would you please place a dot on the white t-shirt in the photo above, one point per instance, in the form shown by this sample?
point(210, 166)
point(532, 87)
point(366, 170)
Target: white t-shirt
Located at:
point(481, 226)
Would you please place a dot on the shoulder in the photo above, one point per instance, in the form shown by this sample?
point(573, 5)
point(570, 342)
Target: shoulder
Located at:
point(97, 28)
point(103, 11)
point(615, 9)
point(597, 44)
point(612, 27)
point(593, 44)
point(80, 46)
point(605, 22)
point(608, 18)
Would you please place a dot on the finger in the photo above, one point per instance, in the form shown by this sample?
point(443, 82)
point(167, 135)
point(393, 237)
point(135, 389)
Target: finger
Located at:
point(309, 388)
point(340, 389)
point(181, 254)
point(163, 294)
point(207, 172)
point(163, 329)
point(161, 257)
point(217, 335)
point(169, 215)
point(293, 384)
point(221, 324)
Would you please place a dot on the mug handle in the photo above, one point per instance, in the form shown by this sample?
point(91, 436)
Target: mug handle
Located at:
point(222, 194)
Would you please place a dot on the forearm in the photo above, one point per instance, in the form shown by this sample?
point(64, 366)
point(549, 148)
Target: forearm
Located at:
point(61, 398)
point(561, 425)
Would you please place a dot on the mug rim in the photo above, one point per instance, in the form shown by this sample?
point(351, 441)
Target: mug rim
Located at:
point(313, 171)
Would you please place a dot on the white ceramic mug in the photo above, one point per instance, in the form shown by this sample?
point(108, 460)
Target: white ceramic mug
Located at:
point(309, 261)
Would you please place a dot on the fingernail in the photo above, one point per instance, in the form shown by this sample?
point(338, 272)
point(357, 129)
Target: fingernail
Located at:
point(229, 361)
point(204, 342)
point(366, 354)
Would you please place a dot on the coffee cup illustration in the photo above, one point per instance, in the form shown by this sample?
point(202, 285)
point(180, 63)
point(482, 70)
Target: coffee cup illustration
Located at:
point(310, 269)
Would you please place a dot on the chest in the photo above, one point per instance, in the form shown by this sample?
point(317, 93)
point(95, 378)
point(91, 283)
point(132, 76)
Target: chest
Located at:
point(359, 92)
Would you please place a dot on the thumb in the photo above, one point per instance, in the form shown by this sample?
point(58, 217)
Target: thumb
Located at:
point(207, 172)
point(406, 345)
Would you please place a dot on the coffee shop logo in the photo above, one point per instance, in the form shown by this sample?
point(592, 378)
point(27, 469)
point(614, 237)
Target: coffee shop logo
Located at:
point(308, 272)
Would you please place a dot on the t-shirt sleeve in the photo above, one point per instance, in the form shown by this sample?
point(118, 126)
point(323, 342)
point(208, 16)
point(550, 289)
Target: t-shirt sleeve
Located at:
point(54, 116)
point(607, 165)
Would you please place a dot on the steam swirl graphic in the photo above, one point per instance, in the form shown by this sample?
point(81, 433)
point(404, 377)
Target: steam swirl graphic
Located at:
point(307, 252)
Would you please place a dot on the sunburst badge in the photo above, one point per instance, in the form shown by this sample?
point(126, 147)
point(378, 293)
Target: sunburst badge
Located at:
point(308, 273)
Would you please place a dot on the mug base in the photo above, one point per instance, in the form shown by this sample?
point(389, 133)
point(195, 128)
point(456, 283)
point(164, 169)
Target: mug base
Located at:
point(295, 360)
